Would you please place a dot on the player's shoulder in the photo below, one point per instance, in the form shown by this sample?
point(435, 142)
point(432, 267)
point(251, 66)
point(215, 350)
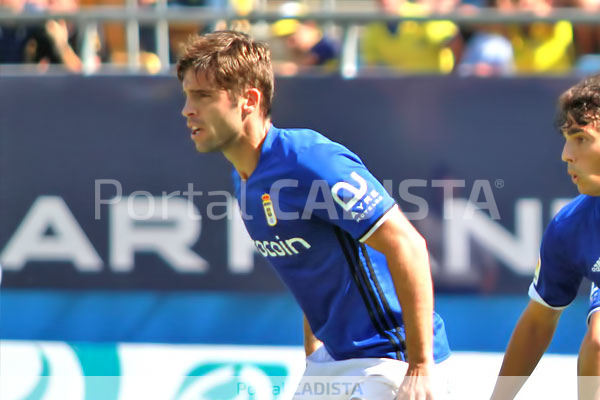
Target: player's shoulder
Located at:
point(306, 147)
point(577, 210)
point(573, 216)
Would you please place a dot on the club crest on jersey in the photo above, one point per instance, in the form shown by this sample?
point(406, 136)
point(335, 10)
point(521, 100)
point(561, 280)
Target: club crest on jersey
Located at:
point(269, 210)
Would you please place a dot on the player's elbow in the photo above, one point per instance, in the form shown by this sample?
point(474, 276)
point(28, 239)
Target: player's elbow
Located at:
point(417, 241)
point(414, 245)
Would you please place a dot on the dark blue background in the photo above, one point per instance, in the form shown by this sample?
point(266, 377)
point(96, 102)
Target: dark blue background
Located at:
point(59, 134)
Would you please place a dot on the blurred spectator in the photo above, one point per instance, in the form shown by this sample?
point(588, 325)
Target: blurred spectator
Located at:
point(114, 33)
point(53, 42)
point(296, 45)
point(587, 40)
point(307, 47)
point(587, 37)
point(239, 7)
point(412, 47)
point(540, 47)
point(13, 36)
point(487, 52)
point(587, 64)
point(180, 31)
point(113, 38)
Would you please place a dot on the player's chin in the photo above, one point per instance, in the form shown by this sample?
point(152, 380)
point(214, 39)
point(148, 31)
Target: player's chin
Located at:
point(589, 188)
point(205, 148)
point(201, 145)
point(200, 148)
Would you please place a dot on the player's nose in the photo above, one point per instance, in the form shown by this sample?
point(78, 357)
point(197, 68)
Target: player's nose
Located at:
point(187, 109)
point(567, 153)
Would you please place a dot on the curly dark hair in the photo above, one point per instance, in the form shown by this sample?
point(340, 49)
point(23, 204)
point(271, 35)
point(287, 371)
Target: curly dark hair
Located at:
point(581, 103)
point(233, 61)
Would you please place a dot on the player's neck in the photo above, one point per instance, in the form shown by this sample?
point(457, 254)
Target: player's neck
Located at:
point(244, 154)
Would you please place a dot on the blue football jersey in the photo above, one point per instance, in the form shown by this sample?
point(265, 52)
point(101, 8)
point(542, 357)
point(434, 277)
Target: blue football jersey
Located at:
point(309, 206)
point(569, 252)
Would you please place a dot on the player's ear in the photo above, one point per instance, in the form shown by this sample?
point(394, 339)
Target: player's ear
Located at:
point(251, 101)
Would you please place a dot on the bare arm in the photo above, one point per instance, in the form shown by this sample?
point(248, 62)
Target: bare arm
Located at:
point(59, 34)
point(529, 341)
point(311, 343)
point(408, 261)
point(588, 362)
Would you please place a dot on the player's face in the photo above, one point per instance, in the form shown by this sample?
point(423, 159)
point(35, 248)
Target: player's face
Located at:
point(214, 119)
point(582, 154)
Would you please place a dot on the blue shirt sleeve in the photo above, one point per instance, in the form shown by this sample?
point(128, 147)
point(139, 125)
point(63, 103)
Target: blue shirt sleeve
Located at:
point(556, 280)
point(338, 188)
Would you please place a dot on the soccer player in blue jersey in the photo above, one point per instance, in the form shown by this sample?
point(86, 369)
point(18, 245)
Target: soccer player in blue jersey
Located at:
point(570, 251)
point(354, 263)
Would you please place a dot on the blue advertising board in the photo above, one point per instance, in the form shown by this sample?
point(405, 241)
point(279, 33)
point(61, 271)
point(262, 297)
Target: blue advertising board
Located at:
point(101, 186)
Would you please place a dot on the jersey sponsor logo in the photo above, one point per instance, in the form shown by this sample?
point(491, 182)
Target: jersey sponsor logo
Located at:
point(269, 210)
point(596, 267)
point(354, 199)
point(281, 247)
point(368, 204)
point(357, 192)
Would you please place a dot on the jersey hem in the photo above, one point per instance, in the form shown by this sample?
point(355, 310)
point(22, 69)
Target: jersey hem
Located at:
point(329, 357)
point(442, 358)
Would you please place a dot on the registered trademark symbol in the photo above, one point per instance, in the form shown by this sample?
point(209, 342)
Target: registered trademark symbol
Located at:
point(499, 183)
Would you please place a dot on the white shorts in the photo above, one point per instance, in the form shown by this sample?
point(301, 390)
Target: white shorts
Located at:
point(360, 378)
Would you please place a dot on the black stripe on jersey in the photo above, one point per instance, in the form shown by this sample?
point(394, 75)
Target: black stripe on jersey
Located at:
point(384, 301)
point(356, 278)
point(390, 324)
point(369, 297)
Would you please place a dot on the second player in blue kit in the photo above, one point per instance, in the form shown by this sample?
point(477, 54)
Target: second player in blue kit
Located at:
point(570, 251)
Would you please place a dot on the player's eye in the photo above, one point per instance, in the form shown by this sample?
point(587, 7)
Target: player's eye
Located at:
point(200, 95)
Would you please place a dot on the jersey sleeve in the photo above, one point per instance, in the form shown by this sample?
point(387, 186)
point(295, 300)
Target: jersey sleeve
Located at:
point(556, 281)
point(340, 190)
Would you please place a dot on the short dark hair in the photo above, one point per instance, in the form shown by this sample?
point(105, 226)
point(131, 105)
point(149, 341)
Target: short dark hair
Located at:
point(232, 60)
point(581, 102)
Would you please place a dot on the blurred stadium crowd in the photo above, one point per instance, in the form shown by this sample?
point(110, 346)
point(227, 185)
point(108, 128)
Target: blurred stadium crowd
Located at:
point(301, 46)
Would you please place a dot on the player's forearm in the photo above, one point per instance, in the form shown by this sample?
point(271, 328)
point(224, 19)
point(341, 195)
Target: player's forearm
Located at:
point(408, 261)
point(311, 343)
point(410, 271)
point(528, 343)
point(589, 354)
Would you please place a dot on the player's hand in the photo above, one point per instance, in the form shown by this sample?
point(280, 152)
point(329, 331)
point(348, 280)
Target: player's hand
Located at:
point(416, 384)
